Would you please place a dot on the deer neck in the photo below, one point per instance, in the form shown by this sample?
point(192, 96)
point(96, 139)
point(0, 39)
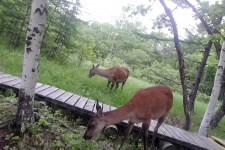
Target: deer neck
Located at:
point(123, 113)
point(102, 72)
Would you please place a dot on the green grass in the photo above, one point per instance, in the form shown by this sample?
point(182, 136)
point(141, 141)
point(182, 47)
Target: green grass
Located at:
point(73, 78)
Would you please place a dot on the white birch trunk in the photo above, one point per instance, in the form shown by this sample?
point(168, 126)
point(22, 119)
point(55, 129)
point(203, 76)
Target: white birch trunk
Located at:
point(35, 31)
point(203, 130)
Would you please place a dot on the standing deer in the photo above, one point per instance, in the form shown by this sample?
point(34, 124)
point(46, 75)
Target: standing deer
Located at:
point(114, 75)
point(146, 104)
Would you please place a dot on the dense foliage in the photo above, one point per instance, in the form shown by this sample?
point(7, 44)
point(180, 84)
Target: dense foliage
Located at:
point(60, 30)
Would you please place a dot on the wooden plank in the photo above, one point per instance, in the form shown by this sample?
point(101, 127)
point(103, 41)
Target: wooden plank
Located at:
point(64, 97)
point(17, 86)
point(2, 80)
point(56, 94)
point(47, 91)
point(194, 139)
point(203, 143)
point(38, 85)
point(94, 107)
point(106, 108)
point(72, 100)
point(151, 126)
point(4, 75)
point(174, 134)
point(138, 125)
point(112, 108)
point(41, 88)
point(210, 143)
point(187, 135)
point(177, 133)
point(81, 102)
point(153, 123)
point(90, 105)
point(125, 121)
point(13, 82)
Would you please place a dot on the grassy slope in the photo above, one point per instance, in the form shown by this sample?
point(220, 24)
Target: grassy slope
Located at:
point(74, 79)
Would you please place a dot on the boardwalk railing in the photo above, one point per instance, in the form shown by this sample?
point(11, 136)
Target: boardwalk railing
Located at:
point(87, 106)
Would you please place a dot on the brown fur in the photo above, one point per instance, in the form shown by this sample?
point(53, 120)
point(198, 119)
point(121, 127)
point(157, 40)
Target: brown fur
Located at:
point(114, 75)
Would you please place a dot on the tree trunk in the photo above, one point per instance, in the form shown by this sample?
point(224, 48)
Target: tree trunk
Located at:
point(221, 111)
point(203, 130)
point(181, 66)
point(218, 114)
point(198, 76)
point(24, 113)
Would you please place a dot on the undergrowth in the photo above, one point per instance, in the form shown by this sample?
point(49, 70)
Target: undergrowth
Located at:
point(54, 128)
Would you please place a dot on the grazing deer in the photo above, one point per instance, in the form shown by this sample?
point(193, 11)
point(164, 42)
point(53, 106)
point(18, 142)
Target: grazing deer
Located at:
point(146, 104)
point(114, 75)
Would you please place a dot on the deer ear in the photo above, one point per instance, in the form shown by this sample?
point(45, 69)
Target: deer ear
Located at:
point(93, 65)
point(99, 109)
point(97, 65)
point(97, 106)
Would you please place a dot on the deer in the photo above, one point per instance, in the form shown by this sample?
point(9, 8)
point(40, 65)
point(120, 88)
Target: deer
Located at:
point(146, 104)
point(114, 75)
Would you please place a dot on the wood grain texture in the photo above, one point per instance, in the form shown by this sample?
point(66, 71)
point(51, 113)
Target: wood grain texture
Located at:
point(73, 100)
point(41, 88)
point(90, 105)
point(64, 97)
point(7, 79)
point(81, 102)
point(4, 75)
point(47, 91)
point(13, 82)
point(56, 94)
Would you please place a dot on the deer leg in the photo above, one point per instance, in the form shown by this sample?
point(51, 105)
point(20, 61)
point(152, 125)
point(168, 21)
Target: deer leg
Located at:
point(112, 85)
point(130, 126)
point(136, 140)
point(108, 83)
point(160, 121)
point(145, 127)
point(117, 85)
point(123, 85)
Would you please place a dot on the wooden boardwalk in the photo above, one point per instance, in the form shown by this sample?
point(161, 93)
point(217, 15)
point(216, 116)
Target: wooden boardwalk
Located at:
point(86, 106)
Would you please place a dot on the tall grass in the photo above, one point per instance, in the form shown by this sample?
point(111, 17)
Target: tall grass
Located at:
point(73, 78)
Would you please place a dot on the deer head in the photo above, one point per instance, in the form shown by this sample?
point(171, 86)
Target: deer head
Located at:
point(96, 123)
point(92, 71)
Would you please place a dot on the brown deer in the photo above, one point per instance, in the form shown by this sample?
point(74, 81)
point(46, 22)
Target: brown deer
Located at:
point(114, 75)
point(146, 104)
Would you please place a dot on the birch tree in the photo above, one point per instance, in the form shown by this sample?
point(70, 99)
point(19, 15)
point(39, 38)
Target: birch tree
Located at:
point(24, 113)
point(203, 130)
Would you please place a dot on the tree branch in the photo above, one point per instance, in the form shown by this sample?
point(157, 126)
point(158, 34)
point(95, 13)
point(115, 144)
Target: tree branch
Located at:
point(148, 36)
point(200, 17)
point(195, 37)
